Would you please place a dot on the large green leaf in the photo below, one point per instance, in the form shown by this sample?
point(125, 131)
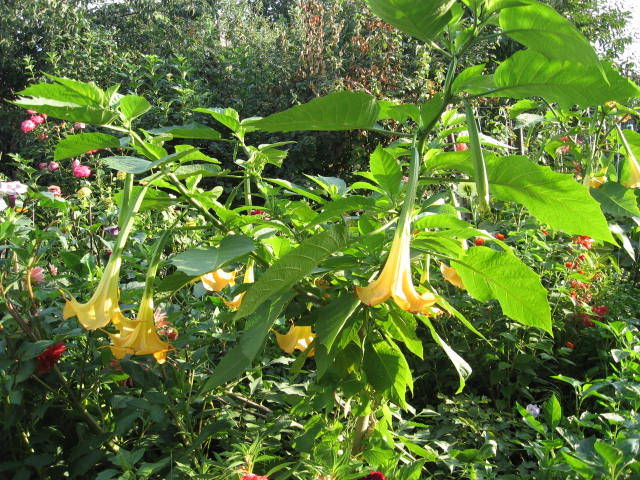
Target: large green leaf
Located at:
point(617, 200)
point(239, 359)
point(332, 318)
point(530, 74)
point(198, 261)
point(385, 170)
point(422, 19)
point(460, 364)
point(554, 198)
point(292, 267)
point(387, 370)
point(127, 164)
point(544, 30)
point(488, 274)
point(132, 106)
point(341, 205)
point(190, 130)
point(69, 111)
point(227, 116)
point(337, 111)
point(75, 145)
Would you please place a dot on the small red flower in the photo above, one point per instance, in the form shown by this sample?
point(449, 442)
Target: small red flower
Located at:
point(253, 476)
point(50, 356)
point(91, 152)
point(569, 264)
point(584, 240)
point(500, 236)
point(544, 232)
point(565, 139)
point(460, 147)
point(570, 345)
point(479, 241)
point(374, 476)
point(601, 311)
point(257, 211)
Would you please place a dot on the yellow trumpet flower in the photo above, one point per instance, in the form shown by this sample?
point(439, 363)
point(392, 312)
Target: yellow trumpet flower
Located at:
point(298, 338)
point(450, 274)
point(218, 279)
point(633, 180)
point(395, 280)
point(248, 278)
point(103, 305)
point(597, 182)
point(139, 336)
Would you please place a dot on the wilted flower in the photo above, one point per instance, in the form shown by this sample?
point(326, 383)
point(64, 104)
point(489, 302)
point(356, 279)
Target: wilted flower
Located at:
point(298, 338)
point(13, 188)
point(451, 275)
point(218, 279)
point(53, 270)
point(47, 359)
point(79, 126)
point(28, 126)
point(597, 182)
point(533, 409)
point(42, 165)
point(121, 175)
point(111, 230)
point(81, 171)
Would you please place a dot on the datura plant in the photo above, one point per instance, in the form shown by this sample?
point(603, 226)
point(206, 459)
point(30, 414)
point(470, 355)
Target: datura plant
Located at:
point(325, 257)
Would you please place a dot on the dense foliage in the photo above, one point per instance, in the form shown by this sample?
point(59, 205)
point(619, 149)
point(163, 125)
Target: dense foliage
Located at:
point(424, 268)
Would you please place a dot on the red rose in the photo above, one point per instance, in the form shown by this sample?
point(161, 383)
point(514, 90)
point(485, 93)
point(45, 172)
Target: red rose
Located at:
point(50, 356)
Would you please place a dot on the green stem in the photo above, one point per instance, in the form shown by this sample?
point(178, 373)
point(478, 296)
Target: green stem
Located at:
point(479, 164)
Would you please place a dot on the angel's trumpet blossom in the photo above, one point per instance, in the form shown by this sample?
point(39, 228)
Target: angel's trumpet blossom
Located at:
point(298, 338)
point(451, 275)
point(395, 280)
point(218, 279)
point(139, 336)
point(103, 305)
point(248, 278)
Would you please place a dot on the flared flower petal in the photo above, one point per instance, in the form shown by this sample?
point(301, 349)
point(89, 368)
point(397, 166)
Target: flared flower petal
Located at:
point(248, 278)
point(451, 275)
point(103, 304)
point(139, 336)
point(395, 280)
point(218, 279)
point(633, 180)
point(298, 338)
point(597, 182)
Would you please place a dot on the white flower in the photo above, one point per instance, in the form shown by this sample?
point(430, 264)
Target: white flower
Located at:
point(13, 188)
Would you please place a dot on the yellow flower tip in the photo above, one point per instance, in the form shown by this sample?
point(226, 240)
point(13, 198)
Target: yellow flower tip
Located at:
point(450, 274)
point(236, 302)
point(298, 338)
point(597, 182)
point(633, 180)
point(218, 279)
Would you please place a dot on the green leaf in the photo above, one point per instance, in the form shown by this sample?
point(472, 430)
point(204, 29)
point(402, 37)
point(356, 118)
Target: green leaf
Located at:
point(386, 171)
point(153, 199)
point(466, 78)
point(337, 111)
point(398, 112)
point(69, 111)
point(554, 198)
point(462, 367)
point(488, 274)
point(292, 187)
point(530, 74)
point(132, 106)
point(239, 359)
point(553, 411)
point(387, 370)
point(331, 319)
point(421, 19)
point(75, 145)
point(89, 91)
point(292, 267)
point(59, 93)
point(544, 30)
point(610, 454)
point(190, 130)
point(579, 466)
point(173, 282)
point(203, 169)
point(338, 207)
point(617, 200)
point(531, 420)
point(227, 116)
point(127, 164)
point(198, 261)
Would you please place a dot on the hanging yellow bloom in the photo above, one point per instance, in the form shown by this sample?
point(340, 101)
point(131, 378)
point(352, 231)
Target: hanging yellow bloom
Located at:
point(103, 305)
point(395, 280)
point(451, 275)
point(139, 336)
point(218, 279)
point(298, 338)
point(633, 180)
point(248, 278)
point(597, 182)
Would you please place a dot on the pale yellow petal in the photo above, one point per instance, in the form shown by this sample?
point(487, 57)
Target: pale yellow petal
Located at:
point(218, 279)
point(450, 274)
point(298, 338)
point(380, 289)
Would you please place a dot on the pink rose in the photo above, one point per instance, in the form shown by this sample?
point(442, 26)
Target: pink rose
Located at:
point(31, 112)
point(37, 274)
point(53, 166)
point(81, 171)
point(75, 163)
point(28, 126)
point(37, 119)
point(79, 126)
point(42, 165)
point(55, 190)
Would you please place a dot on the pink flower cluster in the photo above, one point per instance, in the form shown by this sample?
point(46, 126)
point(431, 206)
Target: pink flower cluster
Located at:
point(81, 171)
point(31, 123)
